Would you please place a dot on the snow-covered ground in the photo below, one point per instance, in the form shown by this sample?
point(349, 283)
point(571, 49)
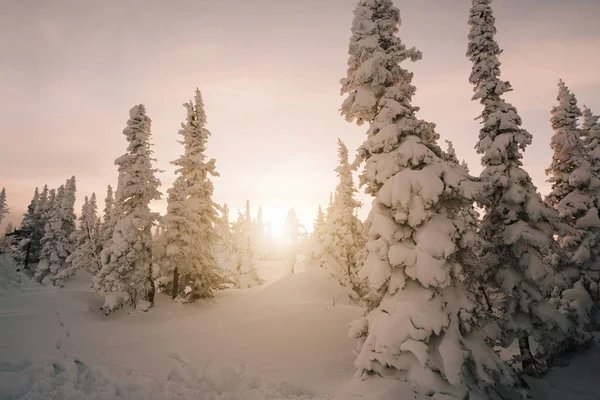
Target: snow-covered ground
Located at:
point(283, 340)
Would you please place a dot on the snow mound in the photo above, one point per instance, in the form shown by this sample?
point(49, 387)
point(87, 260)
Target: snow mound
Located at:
point(70, 378)
point(11, 278)
point(310, 286)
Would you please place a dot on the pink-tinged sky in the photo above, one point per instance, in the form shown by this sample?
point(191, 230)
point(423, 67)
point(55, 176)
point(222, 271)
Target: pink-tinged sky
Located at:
point(269, 72)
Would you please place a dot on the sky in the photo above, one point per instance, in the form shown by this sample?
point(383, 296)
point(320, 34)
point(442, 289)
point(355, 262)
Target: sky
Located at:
point(269, 73)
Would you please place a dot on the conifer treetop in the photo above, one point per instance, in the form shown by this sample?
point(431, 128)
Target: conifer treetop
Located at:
point(501, 139)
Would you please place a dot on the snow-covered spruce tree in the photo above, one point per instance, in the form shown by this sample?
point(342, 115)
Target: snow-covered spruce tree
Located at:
point(419, 326)
point(320, 224)
point(191, 219)
point(3, 204)
point(86, 241)
point(329, 205)
point(316, 250)
point(521, 259)
point(260, 237)
point(54, 252)
point(109, 219)
point(344, 236)
point(26, 247)
point(292, 235)
point(58, 241)
point(68, 208)
point(572, 195)
point(225, 243)
point(590, 130)
point(245, 275)
point(126, 273)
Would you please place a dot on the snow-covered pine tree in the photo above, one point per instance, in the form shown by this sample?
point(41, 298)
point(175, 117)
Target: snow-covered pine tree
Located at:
point(590, 130)
point(316, 250)
point(292, 234)
point(319, 223)
point(344, 236)
point(225, 243)
point(25, 245)
point(86, 241)
point(6, 241)
point(191, 219)
point(126, 273)
point(260, 238)
point(68, 212)
point(329, 205)
point(521, 258)
point(572, 195)
point(109, 219)
point(420, 325)
point(55, 243)
point(245, 275)
point(3, 204)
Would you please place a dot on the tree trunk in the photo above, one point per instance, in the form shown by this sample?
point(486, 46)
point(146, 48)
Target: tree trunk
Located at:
point(151, 292)
point(175, 285)
point(529, 364)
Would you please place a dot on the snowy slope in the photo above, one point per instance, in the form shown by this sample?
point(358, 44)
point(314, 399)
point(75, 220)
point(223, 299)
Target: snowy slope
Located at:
point(283, 340)
point(287, 330)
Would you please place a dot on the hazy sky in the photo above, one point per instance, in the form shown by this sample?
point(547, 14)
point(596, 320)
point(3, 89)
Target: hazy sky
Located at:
point(269, 72)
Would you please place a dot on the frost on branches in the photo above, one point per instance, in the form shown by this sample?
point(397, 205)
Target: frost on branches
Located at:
point(343, 237)
point(572, 195)
point(85, 239)
point(420, 326)
point(521, 259)
point(126, 274)
point(188, 268)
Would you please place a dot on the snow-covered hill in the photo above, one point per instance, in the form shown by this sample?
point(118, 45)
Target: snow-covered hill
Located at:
point(284, 340)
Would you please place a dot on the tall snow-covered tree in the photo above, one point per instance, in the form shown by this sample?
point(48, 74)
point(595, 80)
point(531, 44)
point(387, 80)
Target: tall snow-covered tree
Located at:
point(319, 223)
point(55, 243)
point(590, 130)
point(126, 274)
point(225, 243)
point(521, 259)
point(329, 205)
point(109, 220)
point(68, 209)
point(245, 275)
point(3, 204)
point(344, 236)
point(572, 195)
point(28, 248)
point(86, 241)
point(259, 225)
point(292, 234)
point(420, 324)
point(58, 214)
point(317, 238)
point(260, 236)
point(191, 219)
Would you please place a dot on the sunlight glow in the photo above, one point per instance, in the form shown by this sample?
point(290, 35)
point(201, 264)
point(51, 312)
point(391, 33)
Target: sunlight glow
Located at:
point(274, 214)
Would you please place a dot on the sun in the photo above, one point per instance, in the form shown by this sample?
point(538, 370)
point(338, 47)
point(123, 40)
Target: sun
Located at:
point(274, 215)
point(275, 228)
